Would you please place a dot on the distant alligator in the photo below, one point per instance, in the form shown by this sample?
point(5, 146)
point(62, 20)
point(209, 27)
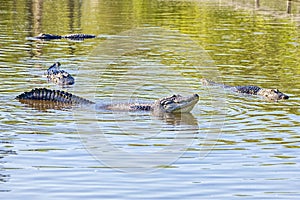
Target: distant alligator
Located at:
point(269, 94)
point(58, 76)
point(173, 104)
point(47, 36)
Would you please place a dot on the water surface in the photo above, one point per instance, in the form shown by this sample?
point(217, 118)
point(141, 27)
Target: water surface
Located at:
point(230, 146)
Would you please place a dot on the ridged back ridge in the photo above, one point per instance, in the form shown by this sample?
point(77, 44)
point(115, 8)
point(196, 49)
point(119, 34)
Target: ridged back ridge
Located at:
point(53, 95)
point(78, 36)
point(249, 89)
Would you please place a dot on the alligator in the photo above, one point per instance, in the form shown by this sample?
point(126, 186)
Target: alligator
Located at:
point(172, 104)
point(58, 76)
point(269, 94)
point(76, 36)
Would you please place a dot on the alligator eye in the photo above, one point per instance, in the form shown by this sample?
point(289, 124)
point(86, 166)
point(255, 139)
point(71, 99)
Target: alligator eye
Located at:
point(275, 90)
point(167, 102)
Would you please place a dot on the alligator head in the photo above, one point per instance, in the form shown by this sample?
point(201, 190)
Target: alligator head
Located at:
point(58, 76)
point(176, 104)
point(272, 94)
point(54, 68)
point(46, 36)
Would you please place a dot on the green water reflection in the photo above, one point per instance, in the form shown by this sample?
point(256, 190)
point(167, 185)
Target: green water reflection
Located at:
point(242, 44)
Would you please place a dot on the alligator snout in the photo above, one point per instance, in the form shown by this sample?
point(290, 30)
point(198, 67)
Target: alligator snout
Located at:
point(285, 97)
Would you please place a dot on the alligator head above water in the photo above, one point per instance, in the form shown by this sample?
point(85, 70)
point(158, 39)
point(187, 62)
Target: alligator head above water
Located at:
point(269, 94)
point(58, 76)
point(46, 36)
point(272, 94)
point(176, 104)
point(173, 104)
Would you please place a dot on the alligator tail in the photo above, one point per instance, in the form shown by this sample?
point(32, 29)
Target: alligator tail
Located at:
point(53, 96)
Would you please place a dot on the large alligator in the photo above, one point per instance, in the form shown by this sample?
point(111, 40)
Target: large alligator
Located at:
point(58, 76)
point(173, 104)
point(76, 36)
point(269, 94)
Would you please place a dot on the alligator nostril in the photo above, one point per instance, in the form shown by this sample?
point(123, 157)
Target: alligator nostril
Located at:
point(196, 95)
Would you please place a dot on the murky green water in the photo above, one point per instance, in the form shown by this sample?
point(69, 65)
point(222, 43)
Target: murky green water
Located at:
point(230, 146)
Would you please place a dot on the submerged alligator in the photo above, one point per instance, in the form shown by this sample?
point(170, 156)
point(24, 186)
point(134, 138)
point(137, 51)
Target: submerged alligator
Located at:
point(58, 76)
point(173, 104)
point(47, 36)
point(269, 94)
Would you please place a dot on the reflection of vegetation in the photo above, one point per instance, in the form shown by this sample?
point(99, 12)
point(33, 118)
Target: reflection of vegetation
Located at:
point(253, 44)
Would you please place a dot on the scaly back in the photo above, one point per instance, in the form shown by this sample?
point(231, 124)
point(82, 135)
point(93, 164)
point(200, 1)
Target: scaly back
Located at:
point(53, 96)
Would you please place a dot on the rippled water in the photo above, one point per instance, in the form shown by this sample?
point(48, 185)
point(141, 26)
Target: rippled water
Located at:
point(230, 146)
